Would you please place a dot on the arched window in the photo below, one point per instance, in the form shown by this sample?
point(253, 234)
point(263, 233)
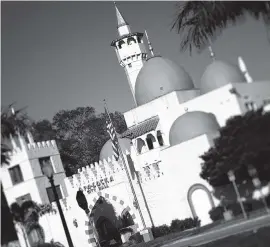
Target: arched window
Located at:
point(150, 139)
point(140, 145)
point(139, 39)
point(160, 138)
point(121, 43)
point(131, 41)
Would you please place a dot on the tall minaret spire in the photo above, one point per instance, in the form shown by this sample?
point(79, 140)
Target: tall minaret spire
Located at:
point(122, 25)
point(130, 50)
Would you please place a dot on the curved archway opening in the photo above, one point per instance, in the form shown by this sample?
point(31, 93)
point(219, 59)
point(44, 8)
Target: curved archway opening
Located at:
point(150, 139)
point(140, 145)
point(200, 202)
point(131, 40)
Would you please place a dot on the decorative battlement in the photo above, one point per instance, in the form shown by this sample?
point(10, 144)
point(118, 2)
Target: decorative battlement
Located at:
point(104, 174)
point(43, 144)
point(98, 175)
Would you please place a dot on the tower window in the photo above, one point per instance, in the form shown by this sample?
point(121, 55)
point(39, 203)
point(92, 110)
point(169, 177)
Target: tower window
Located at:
point(139, 39)
point(43, 161)
point(51, 194)
point(121, 43)
point(129, 65)
point(16, 174)
point(131, 41)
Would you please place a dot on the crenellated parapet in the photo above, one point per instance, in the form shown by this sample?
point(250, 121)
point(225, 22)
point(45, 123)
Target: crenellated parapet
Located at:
point(44, 144)
point(108, 172)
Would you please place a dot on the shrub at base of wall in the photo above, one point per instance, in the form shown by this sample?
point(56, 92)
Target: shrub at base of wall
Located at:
point(176, 226)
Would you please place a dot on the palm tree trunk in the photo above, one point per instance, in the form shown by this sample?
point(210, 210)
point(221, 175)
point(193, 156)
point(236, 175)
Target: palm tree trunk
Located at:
point(24, 235)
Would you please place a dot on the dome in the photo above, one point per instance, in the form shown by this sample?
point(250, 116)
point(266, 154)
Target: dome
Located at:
point(160, 72)
point(218, 74)
point(107, 150)
point(191, 125)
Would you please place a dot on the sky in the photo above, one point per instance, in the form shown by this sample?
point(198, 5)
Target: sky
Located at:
point(57, 55)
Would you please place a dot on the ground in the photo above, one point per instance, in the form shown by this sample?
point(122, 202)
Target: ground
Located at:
point(250, 238)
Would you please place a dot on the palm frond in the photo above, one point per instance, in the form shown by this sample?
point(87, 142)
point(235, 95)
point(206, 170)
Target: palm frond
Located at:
point(200, 22)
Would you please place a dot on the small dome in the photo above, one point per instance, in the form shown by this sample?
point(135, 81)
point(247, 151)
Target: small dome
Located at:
point(191, 125)
point(107, 151)
point(218, 74)
point(160, 72)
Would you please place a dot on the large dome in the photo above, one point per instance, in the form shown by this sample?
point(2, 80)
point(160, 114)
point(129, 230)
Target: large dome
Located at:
point(191, 125)
point(218, 74)
point(160, 72)
point(107, 151)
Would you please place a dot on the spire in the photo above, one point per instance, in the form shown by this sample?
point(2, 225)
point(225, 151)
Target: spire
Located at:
point(122, 25)
point(244, 70)
point(149, 44)
point(120, 19)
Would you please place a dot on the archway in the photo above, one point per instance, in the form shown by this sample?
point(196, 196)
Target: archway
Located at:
point(203, 189)
point(90, 223)
point(106, 231)
point(150, 139)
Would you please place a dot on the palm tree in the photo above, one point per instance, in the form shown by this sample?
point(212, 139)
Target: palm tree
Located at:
point(11, 121)
point(199, 23)
point(27, 217)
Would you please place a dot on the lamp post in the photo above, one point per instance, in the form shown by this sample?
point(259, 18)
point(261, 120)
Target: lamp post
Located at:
point(48, 171)
point(231, 177)
point(257, 184)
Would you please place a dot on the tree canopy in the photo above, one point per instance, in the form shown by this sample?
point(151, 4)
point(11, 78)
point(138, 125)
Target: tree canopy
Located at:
point(243, 141)
point(80, 134)
point(201, 22)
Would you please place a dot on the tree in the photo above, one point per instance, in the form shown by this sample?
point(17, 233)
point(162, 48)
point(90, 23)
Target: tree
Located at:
point(243, 141)
point(80, 134)
point(11, 122)
point(27, 216)
point(199, 23)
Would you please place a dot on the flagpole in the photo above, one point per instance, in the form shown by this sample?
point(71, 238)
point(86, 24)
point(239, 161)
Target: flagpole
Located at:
point(127, 173)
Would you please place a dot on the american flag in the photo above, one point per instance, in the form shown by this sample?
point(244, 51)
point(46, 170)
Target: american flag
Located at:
point(113, 136)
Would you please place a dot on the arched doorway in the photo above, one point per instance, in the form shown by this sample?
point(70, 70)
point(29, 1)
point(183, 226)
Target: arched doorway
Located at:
point(200, 202)
point(90, 224)
point(126, 218)
point(106, 231)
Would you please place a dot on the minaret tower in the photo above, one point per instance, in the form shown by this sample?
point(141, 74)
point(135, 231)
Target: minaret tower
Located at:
point(130, 50)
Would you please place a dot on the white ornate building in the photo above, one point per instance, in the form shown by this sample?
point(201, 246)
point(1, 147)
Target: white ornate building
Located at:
point(172, 125)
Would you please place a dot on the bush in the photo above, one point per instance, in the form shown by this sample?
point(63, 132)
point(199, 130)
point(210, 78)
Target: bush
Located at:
point(216, 213)
point(136, 238)
point(176, 226)
point(182, 225)
point(160, 231)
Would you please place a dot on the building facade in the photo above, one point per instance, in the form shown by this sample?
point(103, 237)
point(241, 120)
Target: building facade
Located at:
point(172, 125)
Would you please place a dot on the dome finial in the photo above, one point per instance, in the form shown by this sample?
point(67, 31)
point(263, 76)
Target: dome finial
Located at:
point(244, 70)
point(210, 48)
point(149, 44)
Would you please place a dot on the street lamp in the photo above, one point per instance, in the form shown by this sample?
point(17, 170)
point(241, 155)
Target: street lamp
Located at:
point(231, 177)
point(257, 184)
point(48, 171)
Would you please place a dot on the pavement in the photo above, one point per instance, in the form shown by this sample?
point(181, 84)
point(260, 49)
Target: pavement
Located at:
point(222, 232)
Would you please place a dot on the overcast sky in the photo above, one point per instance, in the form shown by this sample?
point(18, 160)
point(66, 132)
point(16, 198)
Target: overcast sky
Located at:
point(57, 55)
